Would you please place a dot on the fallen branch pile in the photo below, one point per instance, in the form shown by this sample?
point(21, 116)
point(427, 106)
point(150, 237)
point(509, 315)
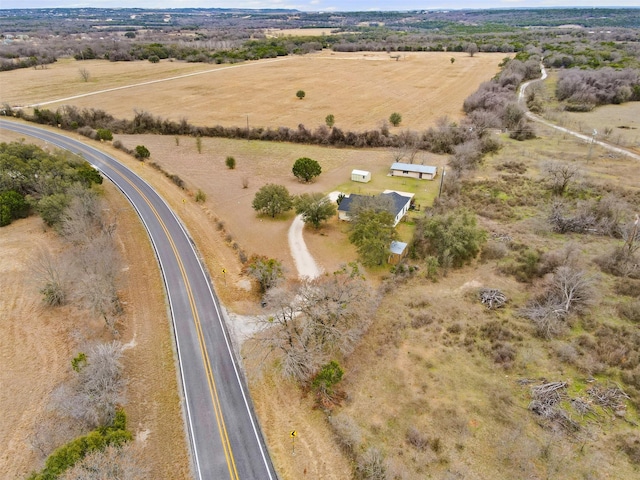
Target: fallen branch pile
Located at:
point(612, 397)
point(545, 403)
point(492, 298)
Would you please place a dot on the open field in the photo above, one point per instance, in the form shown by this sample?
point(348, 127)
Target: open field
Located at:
point(360, 90)
point(402, 375)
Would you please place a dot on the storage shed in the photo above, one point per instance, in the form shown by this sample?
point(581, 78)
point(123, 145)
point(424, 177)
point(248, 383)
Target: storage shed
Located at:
point(397, 252)
point(411, 170)
point(360, 176)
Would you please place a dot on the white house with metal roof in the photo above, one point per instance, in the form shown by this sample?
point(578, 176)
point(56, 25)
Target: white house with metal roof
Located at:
point(412, 170)
point(401, 202)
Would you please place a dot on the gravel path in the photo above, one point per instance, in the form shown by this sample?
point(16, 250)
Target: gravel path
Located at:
point(305, 263)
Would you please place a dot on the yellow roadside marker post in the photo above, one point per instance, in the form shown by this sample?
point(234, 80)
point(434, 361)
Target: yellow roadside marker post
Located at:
point(293, 441)
point(224, 274)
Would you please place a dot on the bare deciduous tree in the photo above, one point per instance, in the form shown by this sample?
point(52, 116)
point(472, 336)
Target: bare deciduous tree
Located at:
point(631, 236)
point(571, 290)
point(466, 156)
point(83, 219)
point(53, 276)
point(574, 288)
point(559, 175)
point(99, 386)
point(315, 320)
point(97, 289)
point(52, 429)
point(85, 75)
point(124, 462)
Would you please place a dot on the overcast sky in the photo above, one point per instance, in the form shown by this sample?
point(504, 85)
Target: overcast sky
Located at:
point(317, 5)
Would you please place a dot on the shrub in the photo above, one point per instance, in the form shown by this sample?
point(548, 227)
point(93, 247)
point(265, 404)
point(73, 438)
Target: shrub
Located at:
point(417, 439)
point(176, 180)
point(452, 237)
point(230, 162)
point(503, 353)
point(513, 167)
point(371, 465)
point(628, 287)
point(88, 132)
point(141, 152)
point(330, 120)
point(267, 271)
point(493, 251)
point(630, 444)
point(54, 294)
point(496, 331)
point(104, 134)
point(630, 311)
point(300, 94)
point(524, 267)
point(120, 146)
point(325, 381)
point(421, 319)
point(620, 262)
point(347, 432)
point(395, 119)
point(201, 197)
point(71, 453)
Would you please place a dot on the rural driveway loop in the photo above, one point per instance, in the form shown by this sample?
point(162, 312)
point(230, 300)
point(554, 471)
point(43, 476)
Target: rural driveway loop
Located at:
point(226, 441)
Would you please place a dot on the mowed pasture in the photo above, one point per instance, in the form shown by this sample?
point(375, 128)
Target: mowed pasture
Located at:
point(360, 89)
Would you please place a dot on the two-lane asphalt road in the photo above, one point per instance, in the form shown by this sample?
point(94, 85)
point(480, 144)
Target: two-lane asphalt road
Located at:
point(226, 441)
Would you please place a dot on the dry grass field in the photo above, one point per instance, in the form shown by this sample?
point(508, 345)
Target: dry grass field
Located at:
point(360, 90)
point(403, 374)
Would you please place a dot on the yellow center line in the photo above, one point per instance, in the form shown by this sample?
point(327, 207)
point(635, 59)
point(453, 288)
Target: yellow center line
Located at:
point(213, 391)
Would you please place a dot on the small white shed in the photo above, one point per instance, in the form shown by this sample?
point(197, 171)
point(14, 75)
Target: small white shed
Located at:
point(360, 176)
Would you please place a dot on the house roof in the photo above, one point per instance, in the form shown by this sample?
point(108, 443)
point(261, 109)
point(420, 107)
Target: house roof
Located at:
point(397, 247)
point(359, 172)
point(411, 167)
point(399, 201)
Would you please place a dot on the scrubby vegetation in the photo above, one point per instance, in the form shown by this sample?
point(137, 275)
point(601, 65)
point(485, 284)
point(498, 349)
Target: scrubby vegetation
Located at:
point(32, 179)
point(520, 358)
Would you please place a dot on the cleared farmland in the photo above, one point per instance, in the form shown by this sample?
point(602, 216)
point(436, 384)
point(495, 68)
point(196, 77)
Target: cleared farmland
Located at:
point(360, 89)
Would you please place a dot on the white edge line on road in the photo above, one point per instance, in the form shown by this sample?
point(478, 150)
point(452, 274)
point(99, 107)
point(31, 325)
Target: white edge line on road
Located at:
point(226, 340)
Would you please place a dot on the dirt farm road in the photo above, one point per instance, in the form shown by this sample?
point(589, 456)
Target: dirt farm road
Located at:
point(587, 138)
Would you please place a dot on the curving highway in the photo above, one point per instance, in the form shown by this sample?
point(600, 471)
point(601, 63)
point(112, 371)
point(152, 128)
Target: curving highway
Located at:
point(225, 439)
